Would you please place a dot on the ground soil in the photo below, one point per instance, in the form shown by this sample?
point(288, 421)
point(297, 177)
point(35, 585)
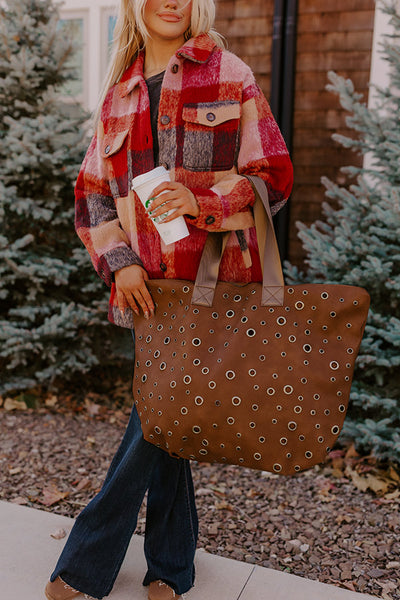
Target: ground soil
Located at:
point(317, 524)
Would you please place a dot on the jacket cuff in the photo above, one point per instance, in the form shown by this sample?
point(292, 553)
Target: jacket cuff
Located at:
point(116, 259)
point(211, 210)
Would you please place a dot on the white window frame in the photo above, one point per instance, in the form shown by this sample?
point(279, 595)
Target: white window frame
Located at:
point(379, 67)
point(379, 75)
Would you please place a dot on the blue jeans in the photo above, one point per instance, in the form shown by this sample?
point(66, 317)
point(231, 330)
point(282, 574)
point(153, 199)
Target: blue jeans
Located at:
point(97, 544)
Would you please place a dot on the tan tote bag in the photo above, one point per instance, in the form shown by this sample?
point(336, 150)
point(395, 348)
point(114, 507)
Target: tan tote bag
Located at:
point(257, 375)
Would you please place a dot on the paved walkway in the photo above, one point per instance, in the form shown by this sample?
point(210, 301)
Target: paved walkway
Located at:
point(28, 553)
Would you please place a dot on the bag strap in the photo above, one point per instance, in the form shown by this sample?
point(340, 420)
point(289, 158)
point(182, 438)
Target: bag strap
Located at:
point(273, 282)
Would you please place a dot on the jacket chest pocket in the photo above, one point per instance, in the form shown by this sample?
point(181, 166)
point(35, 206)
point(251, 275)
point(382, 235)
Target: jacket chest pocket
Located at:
point(113, 149)
point(211, 135)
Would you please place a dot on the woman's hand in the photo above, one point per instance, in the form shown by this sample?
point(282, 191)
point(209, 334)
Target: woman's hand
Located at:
point(177, 197)
point(132, 290)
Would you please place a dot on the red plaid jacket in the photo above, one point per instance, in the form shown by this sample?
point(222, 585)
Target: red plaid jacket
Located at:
point(215, 126)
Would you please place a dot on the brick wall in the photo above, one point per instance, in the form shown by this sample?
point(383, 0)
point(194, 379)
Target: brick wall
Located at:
point(332, 35)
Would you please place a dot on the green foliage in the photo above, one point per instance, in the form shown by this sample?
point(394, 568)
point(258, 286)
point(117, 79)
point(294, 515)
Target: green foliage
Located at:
point(52, 305)
point(358, 243)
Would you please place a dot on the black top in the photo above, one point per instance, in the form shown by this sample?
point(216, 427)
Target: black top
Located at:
point(154, 86)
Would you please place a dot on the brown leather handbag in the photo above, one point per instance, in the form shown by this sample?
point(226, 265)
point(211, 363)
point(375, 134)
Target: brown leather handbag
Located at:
point(257, 375)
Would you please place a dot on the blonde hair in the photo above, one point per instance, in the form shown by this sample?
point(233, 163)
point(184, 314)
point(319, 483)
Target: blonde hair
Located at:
point(130, 35)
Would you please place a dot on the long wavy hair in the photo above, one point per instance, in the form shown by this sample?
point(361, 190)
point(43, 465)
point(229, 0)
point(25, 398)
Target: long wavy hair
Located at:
point(130, 36)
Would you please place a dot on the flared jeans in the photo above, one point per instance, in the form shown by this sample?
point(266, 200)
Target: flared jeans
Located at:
point(98, 542)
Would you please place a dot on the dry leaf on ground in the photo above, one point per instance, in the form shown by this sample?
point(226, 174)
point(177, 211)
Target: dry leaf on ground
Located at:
point(59, 534)
point(11, 404)
point(52, 495)
point(379, 482)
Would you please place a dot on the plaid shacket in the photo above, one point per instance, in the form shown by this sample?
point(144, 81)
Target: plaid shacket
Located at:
point(214, 127)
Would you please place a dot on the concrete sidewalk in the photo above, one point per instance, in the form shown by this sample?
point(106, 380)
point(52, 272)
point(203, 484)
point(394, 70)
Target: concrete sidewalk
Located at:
point(28, 554)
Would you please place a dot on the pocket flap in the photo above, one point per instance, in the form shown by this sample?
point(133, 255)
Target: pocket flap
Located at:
point(211, 114)
point(112, 142)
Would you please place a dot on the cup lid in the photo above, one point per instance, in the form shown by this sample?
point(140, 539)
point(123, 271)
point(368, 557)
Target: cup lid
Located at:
point(145, 177)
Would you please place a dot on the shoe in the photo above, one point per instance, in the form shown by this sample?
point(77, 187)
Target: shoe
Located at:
point(158, 590)
point(59, 590)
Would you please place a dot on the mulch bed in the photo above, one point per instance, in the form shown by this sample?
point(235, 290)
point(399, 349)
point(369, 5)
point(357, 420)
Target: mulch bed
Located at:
point(317, 524)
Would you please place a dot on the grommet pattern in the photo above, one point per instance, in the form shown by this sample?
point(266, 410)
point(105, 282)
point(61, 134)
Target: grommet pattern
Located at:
point(206, 378)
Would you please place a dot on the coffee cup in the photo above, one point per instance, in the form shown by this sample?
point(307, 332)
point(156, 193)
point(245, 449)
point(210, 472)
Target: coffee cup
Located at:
point(144, 185)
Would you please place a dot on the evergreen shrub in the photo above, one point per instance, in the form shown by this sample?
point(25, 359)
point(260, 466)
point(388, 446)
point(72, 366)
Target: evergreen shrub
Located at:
point(52, 304)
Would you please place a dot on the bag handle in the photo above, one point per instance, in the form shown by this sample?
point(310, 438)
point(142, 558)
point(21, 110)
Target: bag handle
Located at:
point(273, 282)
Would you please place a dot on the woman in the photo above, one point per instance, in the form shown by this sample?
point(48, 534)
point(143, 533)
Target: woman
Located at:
point(174, 97)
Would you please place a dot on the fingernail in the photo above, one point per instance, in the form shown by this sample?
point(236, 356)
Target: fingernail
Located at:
point(149, 201)
point(146, 315)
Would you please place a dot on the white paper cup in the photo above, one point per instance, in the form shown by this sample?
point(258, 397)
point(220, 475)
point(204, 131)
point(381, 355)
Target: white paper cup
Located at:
point(143, 185)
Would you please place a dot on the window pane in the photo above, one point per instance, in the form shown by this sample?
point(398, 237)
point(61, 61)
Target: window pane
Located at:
point(110, 30)
point(74, 30)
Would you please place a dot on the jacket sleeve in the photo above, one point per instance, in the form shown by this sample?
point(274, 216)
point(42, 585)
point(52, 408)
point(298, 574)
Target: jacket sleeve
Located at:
point(262, 152)
point(96, 218)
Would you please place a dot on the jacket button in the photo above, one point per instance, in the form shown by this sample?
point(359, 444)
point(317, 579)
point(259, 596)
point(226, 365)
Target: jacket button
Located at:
point(107, 149)
point(163, 267)
point(210, 117)
point(165, 120)
point(210, 220)
point(175, 68)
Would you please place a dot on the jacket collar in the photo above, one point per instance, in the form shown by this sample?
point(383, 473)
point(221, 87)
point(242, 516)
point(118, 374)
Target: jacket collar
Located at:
point(132, 76)
point(198, 49)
